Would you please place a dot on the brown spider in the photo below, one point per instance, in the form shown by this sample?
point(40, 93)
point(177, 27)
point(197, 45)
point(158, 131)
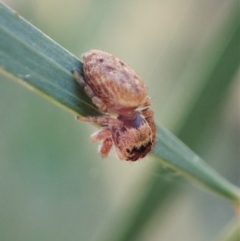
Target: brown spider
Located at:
point(119, 93)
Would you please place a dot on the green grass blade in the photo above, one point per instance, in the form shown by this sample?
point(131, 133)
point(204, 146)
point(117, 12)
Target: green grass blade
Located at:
point(36, 61)
point(29, 56)
point(177, 156)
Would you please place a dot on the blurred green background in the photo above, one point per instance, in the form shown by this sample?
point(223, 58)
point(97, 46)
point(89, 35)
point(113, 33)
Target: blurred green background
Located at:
point(53, 183)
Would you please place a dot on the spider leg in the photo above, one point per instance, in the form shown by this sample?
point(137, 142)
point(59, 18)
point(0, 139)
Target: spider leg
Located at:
point(149, 114)
point(105, 147)
point(102, 134)
point(147, 102)
point(88, 90)
point(102, 120)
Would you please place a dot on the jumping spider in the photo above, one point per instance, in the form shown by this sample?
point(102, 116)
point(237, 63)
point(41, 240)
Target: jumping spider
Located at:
point(119, 93)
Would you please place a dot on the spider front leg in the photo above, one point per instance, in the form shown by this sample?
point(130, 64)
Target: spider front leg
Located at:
point(105, 147)
point(104, 134)
point(102, 120)
point(88, 90)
